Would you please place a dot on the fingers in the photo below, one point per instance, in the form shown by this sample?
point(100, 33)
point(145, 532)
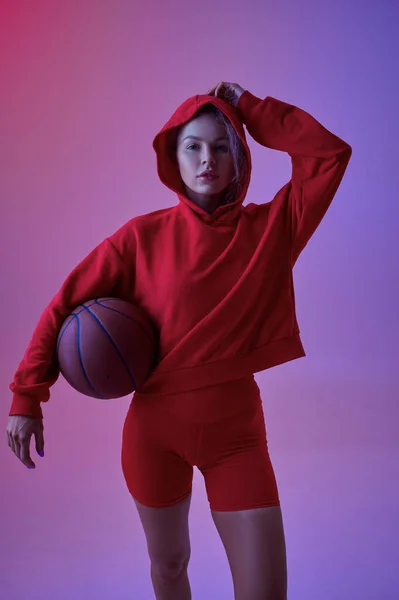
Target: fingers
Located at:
point(11, 441)
point(219, 89)
point(215, 90)
point(19, 443)
point(39, 437)
point(225, 90)
point(24, 454)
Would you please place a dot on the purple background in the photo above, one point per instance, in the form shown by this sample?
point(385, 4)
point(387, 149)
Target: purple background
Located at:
point(85, 86)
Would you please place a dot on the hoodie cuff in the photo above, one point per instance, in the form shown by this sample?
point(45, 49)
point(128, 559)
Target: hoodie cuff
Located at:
point(246, 103)
point(26, 407)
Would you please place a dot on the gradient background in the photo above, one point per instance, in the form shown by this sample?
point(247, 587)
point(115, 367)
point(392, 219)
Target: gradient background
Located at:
point(85, 85)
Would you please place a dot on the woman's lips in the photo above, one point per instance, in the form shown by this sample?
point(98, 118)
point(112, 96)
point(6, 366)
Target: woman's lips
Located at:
point(208, 177)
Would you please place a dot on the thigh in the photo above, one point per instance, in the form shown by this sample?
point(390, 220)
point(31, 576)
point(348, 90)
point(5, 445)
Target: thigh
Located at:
point(237, 469)
point(155, 470)
point(167, 533)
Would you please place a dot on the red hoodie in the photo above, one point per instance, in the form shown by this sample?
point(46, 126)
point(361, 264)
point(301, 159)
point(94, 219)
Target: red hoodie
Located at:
point(218, 287)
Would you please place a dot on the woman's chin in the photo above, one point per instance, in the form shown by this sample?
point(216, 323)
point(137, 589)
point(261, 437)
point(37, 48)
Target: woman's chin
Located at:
point(209, 199)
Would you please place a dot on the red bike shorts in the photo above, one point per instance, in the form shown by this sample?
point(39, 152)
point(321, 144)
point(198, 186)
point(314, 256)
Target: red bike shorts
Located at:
point(220, 430)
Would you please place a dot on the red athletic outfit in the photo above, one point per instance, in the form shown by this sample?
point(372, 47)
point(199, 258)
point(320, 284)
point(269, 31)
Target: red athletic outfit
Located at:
point(220, 429)
point(218, 287)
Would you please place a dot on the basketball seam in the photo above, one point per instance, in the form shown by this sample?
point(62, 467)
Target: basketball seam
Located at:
point(82, 365)
point(113, 343)
point(151, 339)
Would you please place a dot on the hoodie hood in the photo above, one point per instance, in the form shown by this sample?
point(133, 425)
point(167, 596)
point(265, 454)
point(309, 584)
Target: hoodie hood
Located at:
point(168, 171)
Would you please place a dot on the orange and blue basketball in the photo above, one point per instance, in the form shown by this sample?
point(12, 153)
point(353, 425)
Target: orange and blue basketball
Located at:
point(106, 348)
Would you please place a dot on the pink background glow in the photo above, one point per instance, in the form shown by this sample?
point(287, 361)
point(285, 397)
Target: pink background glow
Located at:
point(85, 86)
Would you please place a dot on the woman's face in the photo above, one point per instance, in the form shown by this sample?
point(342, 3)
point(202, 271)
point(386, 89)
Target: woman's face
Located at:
point(203, 144)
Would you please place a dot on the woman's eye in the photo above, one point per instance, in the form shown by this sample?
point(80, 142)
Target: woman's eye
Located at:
point(220, 147)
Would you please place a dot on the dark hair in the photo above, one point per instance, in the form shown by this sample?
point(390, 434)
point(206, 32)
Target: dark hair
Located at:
point(236, 148)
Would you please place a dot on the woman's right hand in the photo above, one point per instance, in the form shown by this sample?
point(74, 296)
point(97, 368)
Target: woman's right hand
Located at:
point(19, 432)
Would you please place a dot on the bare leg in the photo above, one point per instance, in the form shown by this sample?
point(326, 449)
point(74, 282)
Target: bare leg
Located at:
point(168, 542)
point(255, 547)
point(171, 585)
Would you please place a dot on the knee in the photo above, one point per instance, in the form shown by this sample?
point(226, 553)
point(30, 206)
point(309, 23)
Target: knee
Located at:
point(169, 568)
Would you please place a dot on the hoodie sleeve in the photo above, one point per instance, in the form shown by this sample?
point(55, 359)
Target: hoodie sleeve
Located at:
point(101, 273)
point(319, 160)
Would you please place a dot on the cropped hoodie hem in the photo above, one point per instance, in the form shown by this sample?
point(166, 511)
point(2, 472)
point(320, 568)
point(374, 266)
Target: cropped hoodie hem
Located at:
point(208, 374)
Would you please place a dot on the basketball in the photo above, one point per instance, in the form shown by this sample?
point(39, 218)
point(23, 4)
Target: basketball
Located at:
point(106, 348)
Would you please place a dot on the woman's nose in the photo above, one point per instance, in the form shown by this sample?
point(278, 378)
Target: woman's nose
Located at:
point(208, 157)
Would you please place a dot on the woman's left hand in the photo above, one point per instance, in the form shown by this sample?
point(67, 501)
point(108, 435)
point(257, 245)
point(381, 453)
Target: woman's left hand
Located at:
point(230, 92)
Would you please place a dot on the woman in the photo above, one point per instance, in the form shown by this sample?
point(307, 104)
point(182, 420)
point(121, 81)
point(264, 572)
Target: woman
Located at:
point(216, 278)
